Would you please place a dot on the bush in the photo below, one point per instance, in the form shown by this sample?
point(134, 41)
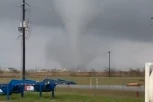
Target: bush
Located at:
point(15, 71)
point(73, 74)
point(1, 71)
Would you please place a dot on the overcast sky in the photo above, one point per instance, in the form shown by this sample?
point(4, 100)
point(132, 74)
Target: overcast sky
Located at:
point(78, 33)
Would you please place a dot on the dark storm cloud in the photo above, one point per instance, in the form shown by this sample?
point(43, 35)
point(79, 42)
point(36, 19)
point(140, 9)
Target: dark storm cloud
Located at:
point(127, 19)
point(9, 9)
point(120, 18)
point(42, 12)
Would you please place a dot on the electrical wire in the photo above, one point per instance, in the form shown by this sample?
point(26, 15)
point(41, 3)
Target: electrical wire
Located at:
point(29, 23)
point(28, 29)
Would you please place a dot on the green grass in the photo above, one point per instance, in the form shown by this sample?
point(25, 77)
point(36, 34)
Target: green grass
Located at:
point(78, 95)
point(86, 80)
point(73, 98)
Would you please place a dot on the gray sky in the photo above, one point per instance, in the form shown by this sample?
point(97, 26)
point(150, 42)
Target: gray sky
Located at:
point(78, 33)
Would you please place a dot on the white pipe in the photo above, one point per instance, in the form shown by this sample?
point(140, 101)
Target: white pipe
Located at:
point(148, 83)
point(151, 87)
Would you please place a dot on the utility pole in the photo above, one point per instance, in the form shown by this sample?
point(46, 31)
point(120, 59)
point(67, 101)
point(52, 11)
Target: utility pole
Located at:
point(109, 63)
point(152, 19)
point(23, 39)
point(22, 29)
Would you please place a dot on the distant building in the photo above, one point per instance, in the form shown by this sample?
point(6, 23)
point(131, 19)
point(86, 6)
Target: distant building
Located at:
point(78, 71)
point(41, 71)
point(10, 70)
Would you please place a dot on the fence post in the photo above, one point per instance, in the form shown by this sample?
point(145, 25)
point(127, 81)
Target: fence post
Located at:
point(90, 82)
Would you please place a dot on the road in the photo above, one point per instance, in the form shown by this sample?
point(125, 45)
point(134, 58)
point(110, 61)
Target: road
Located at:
point(108, 87)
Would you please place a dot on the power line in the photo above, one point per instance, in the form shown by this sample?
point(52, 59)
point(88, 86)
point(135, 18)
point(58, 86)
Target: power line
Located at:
point(109, 64)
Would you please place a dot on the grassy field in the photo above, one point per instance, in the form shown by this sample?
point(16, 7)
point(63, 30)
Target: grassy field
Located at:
point(86, 80)
point(78, 95)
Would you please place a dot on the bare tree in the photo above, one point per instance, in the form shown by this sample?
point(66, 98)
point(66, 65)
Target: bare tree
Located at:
point(92, 72)
point(112, 71)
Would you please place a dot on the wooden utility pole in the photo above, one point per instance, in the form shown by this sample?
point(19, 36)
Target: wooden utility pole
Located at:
point(109, 64)
point(23, 39)
point(22, 29)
